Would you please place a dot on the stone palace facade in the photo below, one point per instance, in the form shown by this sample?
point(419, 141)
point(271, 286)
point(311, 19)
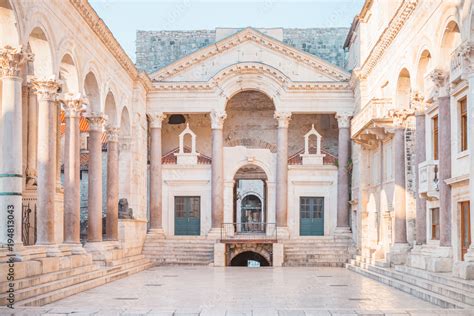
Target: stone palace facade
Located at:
point(248, 148)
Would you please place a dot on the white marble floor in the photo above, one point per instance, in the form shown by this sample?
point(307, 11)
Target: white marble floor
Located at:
point(244, 291)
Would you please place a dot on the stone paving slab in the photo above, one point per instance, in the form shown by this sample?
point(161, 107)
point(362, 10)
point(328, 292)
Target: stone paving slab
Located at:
point(209, 291)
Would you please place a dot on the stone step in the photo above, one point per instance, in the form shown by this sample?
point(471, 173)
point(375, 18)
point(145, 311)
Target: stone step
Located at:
point(442, 278)
point(314, 264)
point(414, 290)
point(454, 293)
point(83, 286)
point(124, 260)
point(317, 251)
point(48, 277)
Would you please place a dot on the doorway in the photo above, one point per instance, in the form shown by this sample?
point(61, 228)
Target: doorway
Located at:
point(311, 216)
point(187, 215)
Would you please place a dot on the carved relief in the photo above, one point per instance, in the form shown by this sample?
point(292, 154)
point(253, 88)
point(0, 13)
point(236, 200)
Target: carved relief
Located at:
point(217, 119)
point(283, 118)
point(156, 119)
point(96, 121)
point(11, 60)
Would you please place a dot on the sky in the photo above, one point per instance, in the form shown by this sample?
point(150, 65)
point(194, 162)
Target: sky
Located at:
point(125, 17)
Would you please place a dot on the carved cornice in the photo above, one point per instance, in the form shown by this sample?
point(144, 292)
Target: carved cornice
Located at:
point(388, 36)
point(156, 119)
point(217, 119)
point(250, 34)
point(11, 60)
point(73, 104)
point(46, 89)
point(283, 118)
point(105, 35)
point(462, 62)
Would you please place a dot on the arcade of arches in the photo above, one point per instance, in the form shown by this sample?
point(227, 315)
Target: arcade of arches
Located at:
point(245, 150)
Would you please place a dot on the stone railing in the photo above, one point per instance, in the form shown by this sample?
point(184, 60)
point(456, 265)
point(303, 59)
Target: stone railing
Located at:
point(375, 110)
point(428, 180)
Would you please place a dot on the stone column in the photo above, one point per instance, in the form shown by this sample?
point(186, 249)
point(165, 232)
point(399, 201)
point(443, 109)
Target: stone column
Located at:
point(399, 177)
point(343, 178)
point(282, 168)
point(59, 186)
point(31, 159)
point(420, 144)
point(47, 92)
point(217, 171)
point(444, 141)
point(96, 124)
point(73, 104)
point(112, 183)
point(11, 173)
point(156, 180)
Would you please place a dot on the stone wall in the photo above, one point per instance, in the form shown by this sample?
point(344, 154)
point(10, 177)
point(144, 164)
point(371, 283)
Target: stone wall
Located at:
point(156, 49)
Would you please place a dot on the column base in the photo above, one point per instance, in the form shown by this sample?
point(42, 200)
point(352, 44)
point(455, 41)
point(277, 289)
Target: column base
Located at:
point(278, 254)
point(283, 233)
point(344, 231)
point(465, 269)
point(214, 234)
point(102, 250)
point(431, 258)
point(53, 250)
point(76, 248)
point(219, 255)
point(157, 233)
point(398, 253)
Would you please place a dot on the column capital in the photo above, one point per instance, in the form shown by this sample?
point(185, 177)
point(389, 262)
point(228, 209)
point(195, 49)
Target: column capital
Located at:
point(217, 119)
point(46, 88)
point(11, 60)
point(96, 121)
point(283, 118)
point(417, 103)
point(156, 119)
point(73, 104)
point(399, 116)
point(112, 133)
point(344, 119)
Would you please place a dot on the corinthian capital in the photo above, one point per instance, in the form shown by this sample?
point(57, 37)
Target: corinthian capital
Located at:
point(156, 119)
point(96, 121)
point(112, 133)
point(73, 104)
point(217, 119)
point(417, 103)
point(46, 89)
point(344, 119)
point(399, 116)
point(283, 118)
point(11, 60)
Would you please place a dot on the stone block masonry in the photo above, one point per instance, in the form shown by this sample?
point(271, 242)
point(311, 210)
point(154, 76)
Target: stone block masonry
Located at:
point(157, 49)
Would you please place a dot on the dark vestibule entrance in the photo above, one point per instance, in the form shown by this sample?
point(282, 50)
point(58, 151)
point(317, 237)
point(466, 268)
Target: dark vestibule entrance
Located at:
point(242, 259)
point(250, 199)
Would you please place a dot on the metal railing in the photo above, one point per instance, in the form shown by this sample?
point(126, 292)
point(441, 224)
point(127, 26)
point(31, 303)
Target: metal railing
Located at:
point(249, 231)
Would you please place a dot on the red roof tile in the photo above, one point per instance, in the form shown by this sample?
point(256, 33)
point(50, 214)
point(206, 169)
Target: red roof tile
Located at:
point(296, 159)
point(171, 159)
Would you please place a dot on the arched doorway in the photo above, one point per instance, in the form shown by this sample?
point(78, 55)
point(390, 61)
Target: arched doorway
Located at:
point(250, 192)
point(242, 259)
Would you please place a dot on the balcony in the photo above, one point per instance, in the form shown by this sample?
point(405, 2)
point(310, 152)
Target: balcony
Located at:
point(249, 232)
point(374, 116)
point(428, 180)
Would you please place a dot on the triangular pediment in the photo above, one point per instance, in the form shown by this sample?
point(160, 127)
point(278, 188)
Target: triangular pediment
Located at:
point(250, 46)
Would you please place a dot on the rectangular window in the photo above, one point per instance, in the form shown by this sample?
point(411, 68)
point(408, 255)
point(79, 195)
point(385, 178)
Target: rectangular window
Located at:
point(463, 123)
point(435, 137)
point(435, 223)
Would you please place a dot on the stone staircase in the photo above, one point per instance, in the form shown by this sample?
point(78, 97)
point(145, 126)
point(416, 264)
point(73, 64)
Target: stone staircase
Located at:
point(59, 281)
point(441, 289)
point(324, 251)
point(179, 251)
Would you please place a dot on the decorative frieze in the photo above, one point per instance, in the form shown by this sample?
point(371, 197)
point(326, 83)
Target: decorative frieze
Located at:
point(417, 103)
point(399, 117)
point(462, 62)
point(11, 60)
point(283, 118)
point(217, 119)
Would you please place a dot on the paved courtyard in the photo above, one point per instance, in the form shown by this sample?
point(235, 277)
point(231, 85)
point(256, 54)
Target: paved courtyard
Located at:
point(244, 291)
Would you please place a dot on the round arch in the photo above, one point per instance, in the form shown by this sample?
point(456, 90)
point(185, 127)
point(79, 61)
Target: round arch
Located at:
point(403, 89)
point(241, 259)
point(39, 45)
point(110, 109)
point(125, 129)
point(450, 39)
point(423, 67)
point(68, 74)
point(91, 89)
